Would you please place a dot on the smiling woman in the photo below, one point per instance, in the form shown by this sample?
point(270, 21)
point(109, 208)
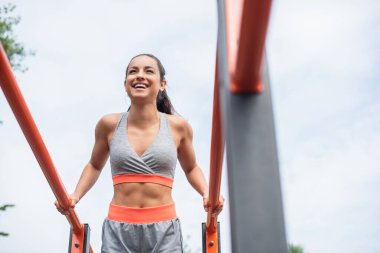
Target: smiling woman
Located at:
point(143, 144)
point(163, 102)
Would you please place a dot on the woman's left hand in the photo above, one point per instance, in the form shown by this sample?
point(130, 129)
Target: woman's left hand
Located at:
point(219, 205)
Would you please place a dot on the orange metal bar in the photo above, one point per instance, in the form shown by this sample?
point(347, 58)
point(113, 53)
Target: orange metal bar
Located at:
point(217, 150)
point(78, 242)
point(216, 162)
point(233, 13)
point(212, 241)
point(15, 99)
point(246, 25)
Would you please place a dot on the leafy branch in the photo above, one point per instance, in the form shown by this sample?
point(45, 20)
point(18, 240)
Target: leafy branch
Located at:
point(15, 51)
point(3, 208)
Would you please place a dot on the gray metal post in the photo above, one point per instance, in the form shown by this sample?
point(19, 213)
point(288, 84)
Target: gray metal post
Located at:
point(256, 211)
point(257, 219)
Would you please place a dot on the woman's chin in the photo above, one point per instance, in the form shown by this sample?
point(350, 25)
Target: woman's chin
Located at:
point(141, 98)
point(138, 94)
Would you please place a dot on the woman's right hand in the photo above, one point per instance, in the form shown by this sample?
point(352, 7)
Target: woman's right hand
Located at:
point(74, 201)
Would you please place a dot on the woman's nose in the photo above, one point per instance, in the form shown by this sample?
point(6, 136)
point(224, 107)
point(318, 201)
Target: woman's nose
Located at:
point(140, 75)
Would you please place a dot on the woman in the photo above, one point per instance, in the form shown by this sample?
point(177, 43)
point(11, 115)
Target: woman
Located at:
point(143, 144)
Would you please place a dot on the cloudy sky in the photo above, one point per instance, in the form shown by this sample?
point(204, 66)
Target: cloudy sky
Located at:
point(322, 57)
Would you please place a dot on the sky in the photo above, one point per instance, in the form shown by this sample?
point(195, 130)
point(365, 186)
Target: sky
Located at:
point(322, 58)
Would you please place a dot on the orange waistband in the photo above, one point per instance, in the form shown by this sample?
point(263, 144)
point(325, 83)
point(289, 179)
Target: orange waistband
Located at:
point(142, 215)
point(143, 178)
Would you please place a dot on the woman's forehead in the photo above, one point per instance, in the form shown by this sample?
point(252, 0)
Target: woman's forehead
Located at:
point(143, 61)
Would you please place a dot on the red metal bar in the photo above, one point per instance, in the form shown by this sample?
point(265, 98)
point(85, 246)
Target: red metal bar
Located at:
point(216, 162)
point(20, 109)
point(233, 12)
point(246, 24)
point(216, 156)
point(212, 243)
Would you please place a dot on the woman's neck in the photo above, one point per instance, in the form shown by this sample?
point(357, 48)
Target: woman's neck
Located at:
point(143, 115)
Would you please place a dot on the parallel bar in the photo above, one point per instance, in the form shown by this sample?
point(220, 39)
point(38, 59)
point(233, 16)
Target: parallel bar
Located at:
point(211, 232)
point(216, 154)
point(247, 24)
point(233, 11)
point(216, 162)
point(20, 109)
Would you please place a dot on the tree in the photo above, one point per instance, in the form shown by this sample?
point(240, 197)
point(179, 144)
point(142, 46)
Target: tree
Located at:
point(3, 208)
point(295, 249)
point(15, 51)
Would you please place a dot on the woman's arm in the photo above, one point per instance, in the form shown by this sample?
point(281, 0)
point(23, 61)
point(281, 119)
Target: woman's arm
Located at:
point(97, 161)
point(186, 157)
point(194, 174)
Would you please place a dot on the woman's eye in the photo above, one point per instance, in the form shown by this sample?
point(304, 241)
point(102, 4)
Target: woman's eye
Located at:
point(132, 71)
point(149, 71)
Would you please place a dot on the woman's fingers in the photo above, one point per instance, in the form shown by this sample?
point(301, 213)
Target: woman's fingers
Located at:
point(218, 208)
point(206, 203)
point(60, 209)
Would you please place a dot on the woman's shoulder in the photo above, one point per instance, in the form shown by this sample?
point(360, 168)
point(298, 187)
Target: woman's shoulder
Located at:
point(109, 121)
point(179, 123)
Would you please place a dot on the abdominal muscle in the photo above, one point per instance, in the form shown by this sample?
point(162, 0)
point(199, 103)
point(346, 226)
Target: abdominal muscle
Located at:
point(140, 195)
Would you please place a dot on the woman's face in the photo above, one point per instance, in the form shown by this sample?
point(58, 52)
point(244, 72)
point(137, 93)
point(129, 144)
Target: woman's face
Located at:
point(143, 79)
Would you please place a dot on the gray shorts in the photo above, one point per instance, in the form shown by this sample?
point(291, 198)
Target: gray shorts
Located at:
point(157, 237)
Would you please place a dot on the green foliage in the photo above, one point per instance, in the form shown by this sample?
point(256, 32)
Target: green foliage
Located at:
point(295, 249)
point(14, 50)
point(3, 208)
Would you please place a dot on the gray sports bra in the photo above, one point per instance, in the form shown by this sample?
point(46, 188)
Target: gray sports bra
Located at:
point(157, 163)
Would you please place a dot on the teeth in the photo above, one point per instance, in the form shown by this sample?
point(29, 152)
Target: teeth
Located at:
point(140, 85)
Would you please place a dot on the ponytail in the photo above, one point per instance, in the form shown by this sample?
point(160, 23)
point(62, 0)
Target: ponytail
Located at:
point(163, 103)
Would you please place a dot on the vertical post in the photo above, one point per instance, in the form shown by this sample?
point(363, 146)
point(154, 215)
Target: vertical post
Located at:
point(256, 212)
point(80, 242)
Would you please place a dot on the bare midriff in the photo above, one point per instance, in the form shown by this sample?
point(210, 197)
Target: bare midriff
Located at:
point(141, 195)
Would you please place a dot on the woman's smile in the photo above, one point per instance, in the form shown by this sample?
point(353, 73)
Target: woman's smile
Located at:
point(140, 86)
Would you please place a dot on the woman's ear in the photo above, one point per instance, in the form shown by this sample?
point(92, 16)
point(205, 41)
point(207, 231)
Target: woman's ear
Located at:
point(125, 84)
point(163, 85)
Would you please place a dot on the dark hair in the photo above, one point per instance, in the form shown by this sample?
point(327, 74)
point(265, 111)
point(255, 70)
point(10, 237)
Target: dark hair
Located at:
point(163, 102)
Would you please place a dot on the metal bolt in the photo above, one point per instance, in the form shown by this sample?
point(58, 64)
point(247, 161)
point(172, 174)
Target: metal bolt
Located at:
point(76, 245)
point(211, 243)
